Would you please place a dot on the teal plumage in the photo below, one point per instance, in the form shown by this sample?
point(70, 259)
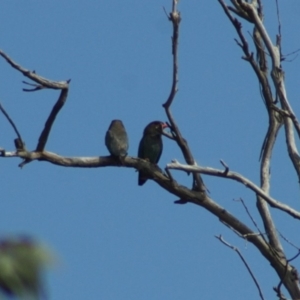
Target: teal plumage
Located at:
point(151, 146)
point(116, 139)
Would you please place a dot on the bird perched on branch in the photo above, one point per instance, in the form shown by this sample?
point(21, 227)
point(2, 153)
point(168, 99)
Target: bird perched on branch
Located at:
point(116, 140)
point(151, 146)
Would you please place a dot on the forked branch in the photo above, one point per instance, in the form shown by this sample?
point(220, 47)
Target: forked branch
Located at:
point(175, 18)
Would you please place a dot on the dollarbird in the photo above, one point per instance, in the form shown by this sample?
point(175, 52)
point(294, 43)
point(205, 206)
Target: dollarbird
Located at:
point(151, 146)
point(116, 140)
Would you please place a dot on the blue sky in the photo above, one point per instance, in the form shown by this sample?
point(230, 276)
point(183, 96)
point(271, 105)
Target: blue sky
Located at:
point(114, 239)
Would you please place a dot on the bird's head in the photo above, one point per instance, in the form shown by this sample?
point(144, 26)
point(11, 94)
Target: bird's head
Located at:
point(116, 124)
point(155, 128)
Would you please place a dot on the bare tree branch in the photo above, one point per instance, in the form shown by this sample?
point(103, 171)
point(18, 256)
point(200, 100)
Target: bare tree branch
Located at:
point(276, 73)
point(48, 125)
point(175, 18)
point(270, 248)
point(252, 12)
point(172, 186)
point(239, 178)
point(269, 142)
point(43, 81)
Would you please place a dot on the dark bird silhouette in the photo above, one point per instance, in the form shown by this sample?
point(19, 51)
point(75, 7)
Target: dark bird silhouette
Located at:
point(151, 146)
point(116, 140)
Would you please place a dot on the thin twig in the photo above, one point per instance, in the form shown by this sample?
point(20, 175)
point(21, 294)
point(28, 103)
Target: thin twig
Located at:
point(294, 257)
point(289, 54)
point(288, 241)
point(11, 122)
point(278, 19)
point(249, 215)
point(168, 135)
point(37, 87)
point(166, 13)
point(169, 174)
point(225, 166)
point(252, 219)
point(181, 201)
point(220, 238)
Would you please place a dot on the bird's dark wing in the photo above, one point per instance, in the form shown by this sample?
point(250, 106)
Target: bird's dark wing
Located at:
point(150, 148)
point(117, 145)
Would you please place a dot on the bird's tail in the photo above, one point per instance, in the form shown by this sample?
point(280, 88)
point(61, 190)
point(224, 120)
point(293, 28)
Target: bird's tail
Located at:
point(142, 178)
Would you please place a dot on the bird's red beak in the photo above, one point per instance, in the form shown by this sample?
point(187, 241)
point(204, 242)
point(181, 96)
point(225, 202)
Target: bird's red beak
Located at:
point(164, 125)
